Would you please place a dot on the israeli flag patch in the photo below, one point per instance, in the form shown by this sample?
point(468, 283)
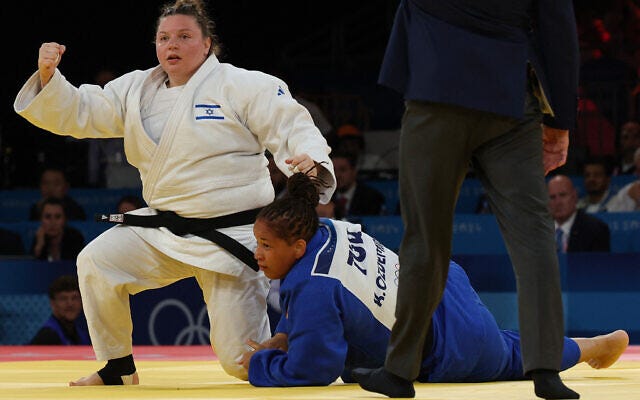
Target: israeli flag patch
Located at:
point(208, 111)
point(280, 91)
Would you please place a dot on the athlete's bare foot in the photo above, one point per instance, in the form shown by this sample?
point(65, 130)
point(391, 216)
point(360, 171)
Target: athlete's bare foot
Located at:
point(95, 380)
point(604, 350)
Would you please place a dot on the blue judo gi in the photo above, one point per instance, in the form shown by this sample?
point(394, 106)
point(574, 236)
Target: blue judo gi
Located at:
point(338, 304)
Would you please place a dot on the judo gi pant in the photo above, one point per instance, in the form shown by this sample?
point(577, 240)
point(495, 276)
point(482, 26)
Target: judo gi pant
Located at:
point(438, 143)
point(119, 263)
point(468, 345)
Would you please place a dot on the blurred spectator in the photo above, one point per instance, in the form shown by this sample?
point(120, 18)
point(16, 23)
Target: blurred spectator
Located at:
point(597, 185)
point(129, 202)
point(593, 130)
point(576, 231)
point(10, 243)
point(66, 325)
point(104, 75)
point(353, 197)
point(278, 178)
point(606, 71)
point(628, 197)
point(351, 140)
point(483, 206)
point(318, 116)
point(326, 210)
point(54, 240)
point(107, 164)
point(54, 184)
point(319, 119)
point(629, 143)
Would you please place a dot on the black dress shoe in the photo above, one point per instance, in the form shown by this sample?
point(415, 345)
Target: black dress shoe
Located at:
point(549, 386)
point(384, 382)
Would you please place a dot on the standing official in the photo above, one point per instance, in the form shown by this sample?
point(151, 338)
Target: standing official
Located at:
point(492, 83)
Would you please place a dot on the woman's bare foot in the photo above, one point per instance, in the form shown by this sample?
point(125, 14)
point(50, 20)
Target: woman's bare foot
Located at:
point(95, 380)
point(604, 350)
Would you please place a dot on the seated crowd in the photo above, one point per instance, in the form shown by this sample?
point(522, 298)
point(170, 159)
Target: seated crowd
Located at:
point(576, 219)
point(592, 193)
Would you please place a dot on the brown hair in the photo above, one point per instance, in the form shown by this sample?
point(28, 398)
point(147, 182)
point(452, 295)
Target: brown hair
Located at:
point(63, 283)
point(197, 10)
point(294, 216)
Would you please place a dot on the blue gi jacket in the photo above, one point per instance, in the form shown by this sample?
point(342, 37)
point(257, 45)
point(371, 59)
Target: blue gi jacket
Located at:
point(338, 305)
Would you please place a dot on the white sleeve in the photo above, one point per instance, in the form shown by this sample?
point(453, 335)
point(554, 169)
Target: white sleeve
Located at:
point(621, 201)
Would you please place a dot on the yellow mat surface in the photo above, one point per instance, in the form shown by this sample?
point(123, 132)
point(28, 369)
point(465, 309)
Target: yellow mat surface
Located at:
point(206, 380)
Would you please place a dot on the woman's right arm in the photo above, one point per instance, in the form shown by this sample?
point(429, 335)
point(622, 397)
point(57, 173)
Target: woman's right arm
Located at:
point(49, 57)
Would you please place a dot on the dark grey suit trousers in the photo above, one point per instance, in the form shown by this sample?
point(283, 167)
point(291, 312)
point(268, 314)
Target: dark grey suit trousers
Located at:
point(438, 143)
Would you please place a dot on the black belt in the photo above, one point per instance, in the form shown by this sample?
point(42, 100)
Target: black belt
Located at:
point(206, 228)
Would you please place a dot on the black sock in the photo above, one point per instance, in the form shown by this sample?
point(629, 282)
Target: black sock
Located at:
point(548, 385)
point(384, 382)
point(115, 368)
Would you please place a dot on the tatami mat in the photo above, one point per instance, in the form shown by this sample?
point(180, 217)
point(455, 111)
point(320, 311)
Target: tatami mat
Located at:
point(191, 372)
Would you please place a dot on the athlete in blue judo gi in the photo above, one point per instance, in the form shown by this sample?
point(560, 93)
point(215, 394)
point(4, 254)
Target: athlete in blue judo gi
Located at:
point(338, 293)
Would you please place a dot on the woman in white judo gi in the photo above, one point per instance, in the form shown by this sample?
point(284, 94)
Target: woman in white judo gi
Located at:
point(196, 129)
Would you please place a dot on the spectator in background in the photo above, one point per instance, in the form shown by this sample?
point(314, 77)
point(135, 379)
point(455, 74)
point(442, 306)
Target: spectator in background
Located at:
point(107, 164)
point(597, 185)
point(353, 197)
point(628, 197)
point(576, 231)
point(482, 205)
point(10, 243)
point(351, 140)
point(309, 102)
point(54, 184)
point(319, 119)
point(55, 240)
point(629, 143)
point(326, 210)
point(66, 325)
point(129, 202)
point(593, 130)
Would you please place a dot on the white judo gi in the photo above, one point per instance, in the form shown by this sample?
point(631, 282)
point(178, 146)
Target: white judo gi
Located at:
point(208, 162)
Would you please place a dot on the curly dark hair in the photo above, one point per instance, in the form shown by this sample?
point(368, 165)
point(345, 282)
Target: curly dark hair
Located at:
point(63, 283)
point(294, 216)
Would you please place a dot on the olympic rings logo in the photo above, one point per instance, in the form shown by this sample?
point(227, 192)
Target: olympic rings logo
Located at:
point(193, 329)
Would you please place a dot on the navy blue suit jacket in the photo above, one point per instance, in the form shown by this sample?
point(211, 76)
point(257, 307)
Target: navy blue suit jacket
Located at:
point(476, 54)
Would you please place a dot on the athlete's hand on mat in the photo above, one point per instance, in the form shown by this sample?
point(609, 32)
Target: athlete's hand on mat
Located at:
point(49, 57)
point(555, 147)
point(245, 359)
point(278, 341)
point(302, 163)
